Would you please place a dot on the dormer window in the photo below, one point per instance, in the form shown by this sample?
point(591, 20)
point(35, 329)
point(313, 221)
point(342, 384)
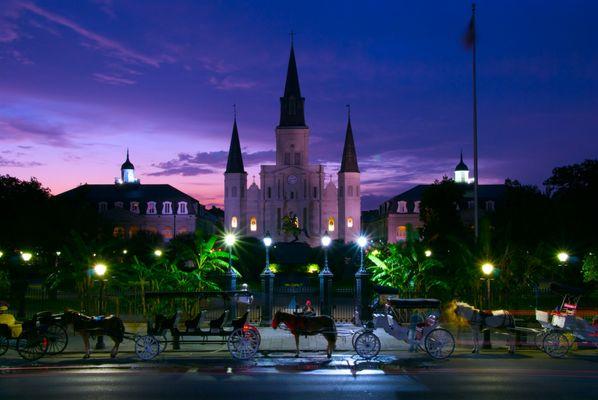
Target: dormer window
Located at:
point(470, 204)
point(402, 207)
point(182, 209)
point(167, 207)
point(102, 206)
point(416, 206)
point(118, 204)
point(151, 207)
point(490, 205)
point(134, 207)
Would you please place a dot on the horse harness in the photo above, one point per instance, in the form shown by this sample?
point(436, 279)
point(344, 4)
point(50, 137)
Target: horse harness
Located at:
point(479, 319)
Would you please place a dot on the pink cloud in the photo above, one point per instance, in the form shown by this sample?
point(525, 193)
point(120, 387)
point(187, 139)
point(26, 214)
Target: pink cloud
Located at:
point(229, 83)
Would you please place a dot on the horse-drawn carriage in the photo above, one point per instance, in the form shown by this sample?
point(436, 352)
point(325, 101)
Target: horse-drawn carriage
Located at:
point(565, 326)
point(415, 321)
point(242, 339)
point(34, 338)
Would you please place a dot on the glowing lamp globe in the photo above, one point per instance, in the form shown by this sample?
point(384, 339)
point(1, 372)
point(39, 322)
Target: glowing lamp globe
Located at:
point(229, 239)
point(158, 253)
point(26, 256)
point(267, 241)
point(487, 268)
point(99, 269)
point(326, 240)
point(428, 253)
point(362, 241)
point(562, 256)
point(2, 254)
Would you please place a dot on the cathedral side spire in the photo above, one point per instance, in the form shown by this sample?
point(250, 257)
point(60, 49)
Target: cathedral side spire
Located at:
point(291, 104)
point(235, 157)
point(349, 160)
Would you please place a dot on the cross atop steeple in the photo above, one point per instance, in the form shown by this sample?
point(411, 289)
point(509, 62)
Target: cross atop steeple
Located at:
point(292, 34)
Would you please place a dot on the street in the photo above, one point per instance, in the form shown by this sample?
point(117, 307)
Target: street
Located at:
point(494, 375)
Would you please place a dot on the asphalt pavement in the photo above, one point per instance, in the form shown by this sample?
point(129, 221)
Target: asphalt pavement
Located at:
point(492, 375)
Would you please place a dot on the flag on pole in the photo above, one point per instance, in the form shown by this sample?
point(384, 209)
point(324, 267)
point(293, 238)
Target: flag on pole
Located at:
point(469, 36)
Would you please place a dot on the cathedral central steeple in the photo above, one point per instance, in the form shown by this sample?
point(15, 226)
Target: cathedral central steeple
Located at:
point(291, 104)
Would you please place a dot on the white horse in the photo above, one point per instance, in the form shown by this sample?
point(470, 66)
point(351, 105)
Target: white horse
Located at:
point(481, 320)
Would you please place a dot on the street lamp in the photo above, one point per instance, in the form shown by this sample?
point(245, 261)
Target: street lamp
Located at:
point(100, 270)
point(325, 243)
point(563, 257)
point(125, 251)
point(26, 256)
point(229, 241)
point(362, 241)
point(267, 243)
point(428, 253)
point(488, 270)
point(157, 253)
point(1, 254)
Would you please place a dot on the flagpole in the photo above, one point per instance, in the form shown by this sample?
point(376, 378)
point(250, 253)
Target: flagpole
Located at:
point(475, 129)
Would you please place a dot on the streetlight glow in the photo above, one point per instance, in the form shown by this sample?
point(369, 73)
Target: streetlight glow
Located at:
point(125, 251)
point(487, 268)
point(326, 240)
point(157, 253)
point(267, 240)
point(562, 256)
point(362, 241)
point(58, 253)
point(428, 253)
point(2, 254)
point(230, 239)
point(26, 256)
point(99, 269)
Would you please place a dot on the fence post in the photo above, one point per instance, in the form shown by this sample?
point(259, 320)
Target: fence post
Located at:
point(325, 291)
point(268, 295)
point(363, 293)
point(231, 285)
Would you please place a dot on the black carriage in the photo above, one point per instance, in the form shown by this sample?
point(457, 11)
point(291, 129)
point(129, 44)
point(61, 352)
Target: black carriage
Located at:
point(34, 338)
point(242, 338)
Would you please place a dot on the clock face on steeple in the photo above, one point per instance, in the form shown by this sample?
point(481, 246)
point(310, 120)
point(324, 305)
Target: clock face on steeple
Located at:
point(292, 179)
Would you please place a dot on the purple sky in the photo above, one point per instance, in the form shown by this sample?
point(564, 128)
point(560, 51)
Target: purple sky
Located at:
point(82, 80)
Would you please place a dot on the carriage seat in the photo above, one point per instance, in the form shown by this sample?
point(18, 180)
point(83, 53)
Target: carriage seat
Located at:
point(11, 324)
point(217, 324)
point(237, 323)
point(195, 323)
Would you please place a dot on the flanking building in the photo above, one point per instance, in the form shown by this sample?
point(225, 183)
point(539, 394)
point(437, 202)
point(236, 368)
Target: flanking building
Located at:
point(130, 206)
point(390, 221)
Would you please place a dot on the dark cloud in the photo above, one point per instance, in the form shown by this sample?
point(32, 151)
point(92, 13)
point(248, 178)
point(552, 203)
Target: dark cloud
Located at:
point(19, 128)
point(20, 164)
point(208, 162)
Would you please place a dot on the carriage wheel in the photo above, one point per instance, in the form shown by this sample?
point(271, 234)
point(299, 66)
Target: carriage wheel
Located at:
point(3, 344)
point(243, 343)
point(367, 345)
point(147, 347)
point(163, 343)
point(359, 332)
point(539, 340)
point(57, 339)
point(439, 343)
point(556, 344)
point(32, 346)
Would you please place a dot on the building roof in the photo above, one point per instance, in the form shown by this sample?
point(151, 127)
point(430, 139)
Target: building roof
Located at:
point(461, 166)
point(127, 193)
point(234, 164)
point(291, 104)
point(127, 164)
point(485, 192)
point(349, 160)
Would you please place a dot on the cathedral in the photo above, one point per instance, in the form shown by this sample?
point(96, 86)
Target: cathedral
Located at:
point(292, 190)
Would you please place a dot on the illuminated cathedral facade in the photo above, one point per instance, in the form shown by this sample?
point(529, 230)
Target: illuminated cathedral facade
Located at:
point(292, 189)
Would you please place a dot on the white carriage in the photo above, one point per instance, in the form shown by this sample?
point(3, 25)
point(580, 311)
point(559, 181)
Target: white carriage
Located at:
point(403, 319)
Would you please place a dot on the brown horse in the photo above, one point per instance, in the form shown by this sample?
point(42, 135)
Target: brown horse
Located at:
point(303, 325)
point(95, 326)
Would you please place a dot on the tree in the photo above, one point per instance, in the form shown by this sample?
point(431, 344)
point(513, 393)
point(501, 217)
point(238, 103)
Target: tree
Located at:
point(440, 210)
point(589, 267)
